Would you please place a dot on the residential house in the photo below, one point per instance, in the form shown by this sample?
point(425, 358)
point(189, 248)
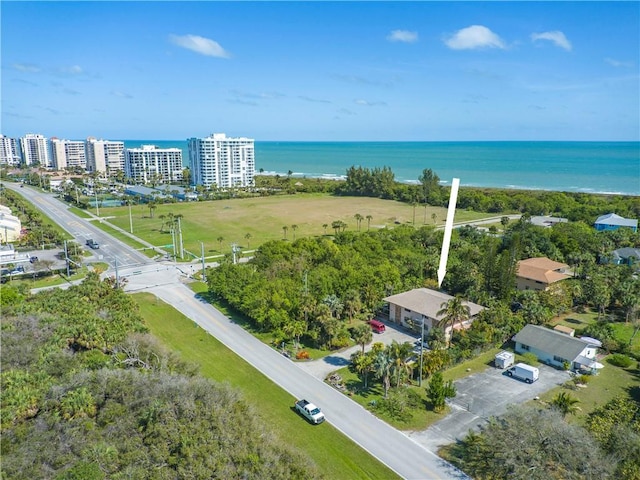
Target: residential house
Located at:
point(557, 349)
point(410, 309)
point(540, 273)
point(626, 256)
point(611, 221)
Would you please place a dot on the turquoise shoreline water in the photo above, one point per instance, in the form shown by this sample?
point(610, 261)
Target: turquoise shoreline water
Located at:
point(590, 167)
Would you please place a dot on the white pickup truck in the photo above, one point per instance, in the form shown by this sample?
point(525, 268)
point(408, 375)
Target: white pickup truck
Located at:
point(309, 411)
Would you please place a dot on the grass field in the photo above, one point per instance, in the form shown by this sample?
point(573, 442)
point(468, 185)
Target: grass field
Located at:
point(249, 222)
point(336, 456)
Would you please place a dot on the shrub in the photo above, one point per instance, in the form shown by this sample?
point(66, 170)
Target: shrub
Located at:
point(303, 355)
point(620, 360)
point(530, 359)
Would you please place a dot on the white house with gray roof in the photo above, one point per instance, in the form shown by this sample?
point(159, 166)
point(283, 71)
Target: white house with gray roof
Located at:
point(555, 348)
point(410, 309)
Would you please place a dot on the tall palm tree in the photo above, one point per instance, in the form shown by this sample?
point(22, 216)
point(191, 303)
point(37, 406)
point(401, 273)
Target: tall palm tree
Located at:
point(324, 226)
point(382, 365)
point(220, 240)
point(294, 228)
point(285, 229)
point(248, 238)
point(359, 219)
point(369, 218)
point(336, 225)
point(452, 312)
point(434, 217)
point(399, 353)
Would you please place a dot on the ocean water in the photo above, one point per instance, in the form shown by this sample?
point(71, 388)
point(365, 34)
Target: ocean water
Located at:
point(591, 167)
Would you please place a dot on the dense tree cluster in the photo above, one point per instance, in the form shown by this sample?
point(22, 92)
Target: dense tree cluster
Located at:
point(313, 288)
point(87, 394)
point(381, 183)
point(530, 443)
point(39, 231)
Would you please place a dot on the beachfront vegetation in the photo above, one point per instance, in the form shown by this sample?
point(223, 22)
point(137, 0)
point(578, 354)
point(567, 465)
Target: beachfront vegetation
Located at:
point(82, 377)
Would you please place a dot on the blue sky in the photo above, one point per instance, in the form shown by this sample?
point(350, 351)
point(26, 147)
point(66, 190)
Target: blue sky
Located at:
point(424, 71)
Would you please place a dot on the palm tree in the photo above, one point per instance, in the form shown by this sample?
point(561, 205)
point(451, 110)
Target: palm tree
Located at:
point(336, 225)
point(362, 335)
point(382, 365)
point(324, 226)
point(220, 240)
point(452, 312)
point(369, 218)
point(565, 403)
point(285, 229)
point(162, 217)
point(434, 217)
point(294, 228)
point(248, 238)
point(363, 364)
point(152, 206)
point(399, 353)
point(359, 219)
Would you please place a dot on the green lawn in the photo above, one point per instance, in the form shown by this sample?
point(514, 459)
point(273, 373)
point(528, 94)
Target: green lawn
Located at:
point(249, 222)
point(611, 382)
point(336, 456)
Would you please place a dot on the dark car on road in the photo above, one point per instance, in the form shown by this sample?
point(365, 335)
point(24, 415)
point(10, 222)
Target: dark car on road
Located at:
point(93, 244)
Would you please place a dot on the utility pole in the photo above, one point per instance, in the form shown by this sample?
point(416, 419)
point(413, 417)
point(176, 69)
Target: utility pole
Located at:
point(117, 277)
point(173, 242)
point(95, 192)
point(204, 278)
point(180, 235)
point(130, 217)
point(66, 257)
point(421, 351)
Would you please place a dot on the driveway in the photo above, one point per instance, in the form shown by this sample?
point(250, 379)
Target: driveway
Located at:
point(324, 366)
point(481, 396)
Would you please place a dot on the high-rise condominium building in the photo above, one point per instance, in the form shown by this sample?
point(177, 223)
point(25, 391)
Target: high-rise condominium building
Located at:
point(104, 156)
point(35, 150)
point(9, 151)
point(222, 161)
point(68, 154)
point(150, 164)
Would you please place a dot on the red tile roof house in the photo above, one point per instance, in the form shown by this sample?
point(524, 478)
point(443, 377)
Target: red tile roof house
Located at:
point(539, 273)
point(410, 309)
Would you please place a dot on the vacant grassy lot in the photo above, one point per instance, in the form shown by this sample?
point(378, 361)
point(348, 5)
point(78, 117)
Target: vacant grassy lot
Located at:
point(250, 222)
point(336, 456)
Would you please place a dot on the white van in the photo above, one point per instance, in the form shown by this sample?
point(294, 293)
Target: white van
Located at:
point(524, 372)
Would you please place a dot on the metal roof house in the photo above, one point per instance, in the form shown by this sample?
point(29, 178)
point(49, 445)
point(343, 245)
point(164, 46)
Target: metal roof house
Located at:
point(539, 273)
point(556, 348)
point(626, 256)
point(410, 309)
point(611, 221)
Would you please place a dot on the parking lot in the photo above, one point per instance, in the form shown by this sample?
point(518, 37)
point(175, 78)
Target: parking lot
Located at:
point(483, 395)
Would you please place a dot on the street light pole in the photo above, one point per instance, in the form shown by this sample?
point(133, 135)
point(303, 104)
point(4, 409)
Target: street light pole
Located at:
point(421, 351)
point(130, 218)
point(204, 278)
point(95, 192)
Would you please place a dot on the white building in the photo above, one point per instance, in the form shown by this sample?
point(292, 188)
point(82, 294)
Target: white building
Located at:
point(222, 161)
point(9, 151)
point(68, 154)
point(35, 150)
point(10, 226)
point(104, 156)
point(150, 164)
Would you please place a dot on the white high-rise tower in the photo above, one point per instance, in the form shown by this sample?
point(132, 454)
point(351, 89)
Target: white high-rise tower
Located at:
point(222, 161)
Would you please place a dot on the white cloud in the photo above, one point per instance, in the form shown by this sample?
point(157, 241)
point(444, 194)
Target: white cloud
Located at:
point(475, 36)
point(26, 67)
point(556, 37)
point(367, 103)
point(116, 93)
point(403, 36)
point(201, 45)
point(617, 63)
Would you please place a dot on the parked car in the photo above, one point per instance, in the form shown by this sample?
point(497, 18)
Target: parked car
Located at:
point(377, 326)
point(33, 259)
point(309, 411)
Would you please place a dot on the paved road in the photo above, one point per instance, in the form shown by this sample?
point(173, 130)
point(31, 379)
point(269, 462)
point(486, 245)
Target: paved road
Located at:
point(403, 455)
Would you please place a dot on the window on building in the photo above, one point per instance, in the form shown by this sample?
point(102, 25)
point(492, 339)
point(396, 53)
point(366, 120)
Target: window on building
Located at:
point(525, 347)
